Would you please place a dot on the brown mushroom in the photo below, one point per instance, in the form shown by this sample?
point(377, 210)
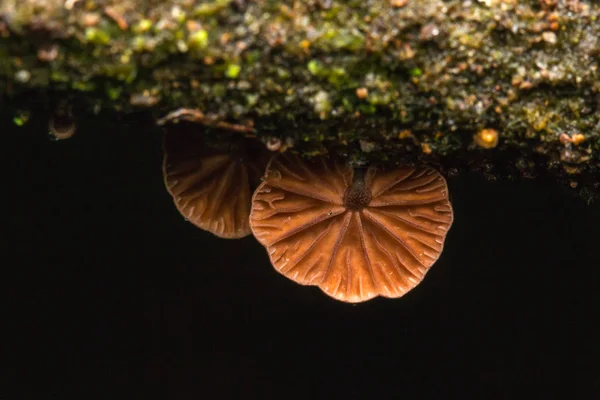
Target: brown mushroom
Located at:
point(354, 233)
point(62, 125)
point(212, 189)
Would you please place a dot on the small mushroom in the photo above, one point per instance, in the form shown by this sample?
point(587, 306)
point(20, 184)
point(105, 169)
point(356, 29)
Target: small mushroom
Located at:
point(356, 233)
point(212, 189)
point(62, 125)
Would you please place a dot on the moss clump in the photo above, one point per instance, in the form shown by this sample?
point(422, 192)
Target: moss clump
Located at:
point(198, 40)
point(97, 36)
point(350, 77)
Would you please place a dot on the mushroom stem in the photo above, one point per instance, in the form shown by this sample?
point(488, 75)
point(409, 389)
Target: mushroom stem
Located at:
point(358, 195)
point(358, 177)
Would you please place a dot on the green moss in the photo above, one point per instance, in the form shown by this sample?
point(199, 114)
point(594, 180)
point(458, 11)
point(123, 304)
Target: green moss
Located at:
point(315, 67)
point(379, 98)
point(251, 99)
point(142, 26)
point(97, 36)
point(210, 8)
point(367, 109)
point(114, 93)
point(198, 40)
point(335, 38)
point(219, 90)
point(336, 76)
point(415, 72)
point(21, 118)
point(332, 73)
point(232, 71)
point(83, 86)
point(252, 56)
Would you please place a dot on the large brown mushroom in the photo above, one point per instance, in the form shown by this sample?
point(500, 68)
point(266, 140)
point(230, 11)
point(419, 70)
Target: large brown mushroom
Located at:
point(212, 189)
point(355, 233)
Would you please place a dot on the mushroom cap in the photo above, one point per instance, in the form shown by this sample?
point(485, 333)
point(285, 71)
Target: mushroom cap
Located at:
point(62, 125)
point(212, 190)
point(378, 237)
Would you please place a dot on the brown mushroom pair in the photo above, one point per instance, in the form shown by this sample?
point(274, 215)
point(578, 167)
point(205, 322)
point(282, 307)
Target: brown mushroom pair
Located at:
point(356, 233)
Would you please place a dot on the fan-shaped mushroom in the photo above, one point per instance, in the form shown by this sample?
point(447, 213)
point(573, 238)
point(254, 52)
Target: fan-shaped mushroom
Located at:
point(62, 125)
point(212, 189)
point(354, 233)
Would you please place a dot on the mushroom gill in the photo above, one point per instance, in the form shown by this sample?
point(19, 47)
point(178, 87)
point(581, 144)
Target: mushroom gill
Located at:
point(355, 233)
point(212, 189)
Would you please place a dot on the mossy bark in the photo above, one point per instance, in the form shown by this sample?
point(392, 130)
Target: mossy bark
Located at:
point(507, 87)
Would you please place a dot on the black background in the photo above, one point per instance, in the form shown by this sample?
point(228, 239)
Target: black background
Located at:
point(109, 293)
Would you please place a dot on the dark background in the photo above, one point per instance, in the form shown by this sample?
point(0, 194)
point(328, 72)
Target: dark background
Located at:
point(109, 293)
